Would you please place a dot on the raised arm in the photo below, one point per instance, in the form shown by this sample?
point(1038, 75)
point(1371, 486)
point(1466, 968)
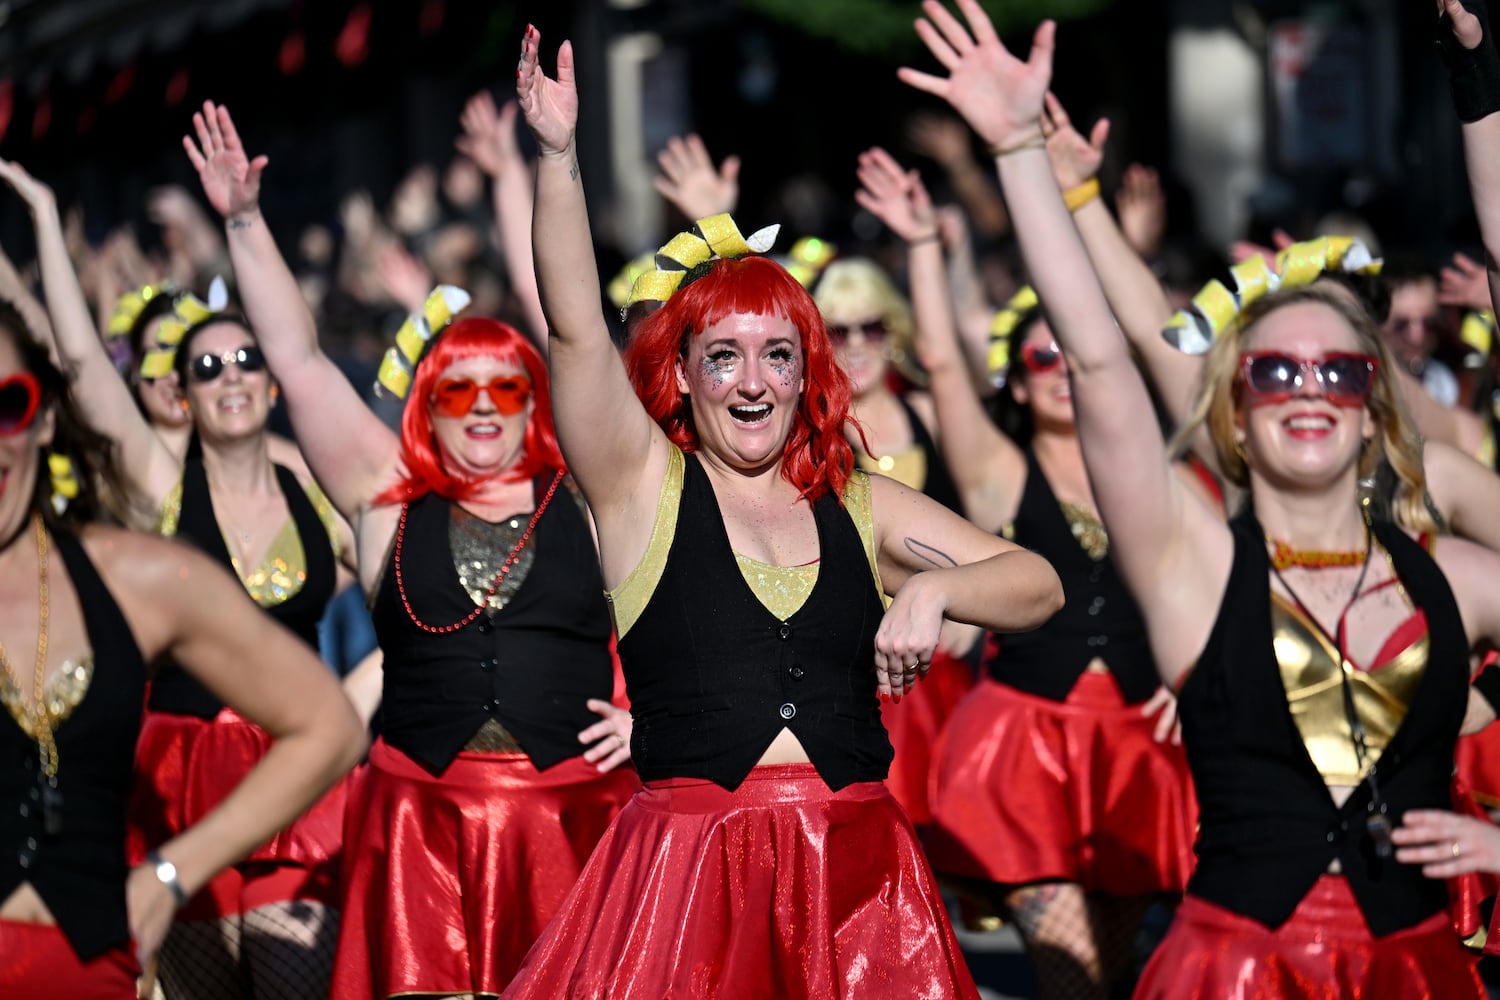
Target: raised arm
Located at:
point(102, 394)
point(613, 447)
point(489, 140)
point(987, 467)
point(1172, 551)
point(353, 455)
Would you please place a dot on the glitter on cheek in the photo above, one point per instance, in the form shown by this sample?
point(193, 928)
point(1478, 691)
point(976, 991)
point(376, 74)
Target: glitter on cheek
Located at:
point(715, 372)
point(788, 371)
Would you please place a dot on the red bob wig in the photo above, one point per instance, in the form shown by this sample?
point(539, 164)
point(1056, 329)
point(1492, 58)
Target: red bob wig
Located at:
point(471, 337)
point(817, 457)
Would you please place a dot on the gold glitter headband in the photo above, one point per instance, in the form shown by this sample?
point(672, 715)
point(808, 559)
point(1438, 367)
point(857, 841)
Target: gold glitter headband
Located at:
point(1002, 327)
point(807, 258)
point(187, 311)
point(1215, 308)
point(621, 284)
point(130, 306)
point(400, 362)
point(715, 236)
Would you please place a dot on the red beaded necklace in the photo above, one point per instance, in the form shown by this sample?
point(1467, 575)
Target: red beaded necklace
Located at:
point(1284, 556)
point(510, 560)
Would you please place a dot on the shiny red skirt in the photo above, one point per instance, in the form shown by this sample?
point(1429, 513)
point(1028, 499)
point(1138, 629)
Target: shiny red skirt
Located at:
point(1323, 951)
point(1029, 790)
point(449, 880)
point(781, 888)
point(36, 961)
point(914, 724)
point(185, 766)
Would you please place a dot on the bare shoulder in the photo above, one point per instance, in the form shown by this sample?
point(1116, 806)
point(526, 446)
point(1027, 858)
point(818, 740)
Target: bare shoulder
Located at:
point(925, 408)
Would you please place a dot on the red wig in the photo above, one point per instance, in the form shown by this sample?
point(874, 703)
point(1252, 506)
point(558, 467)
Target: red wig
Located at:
point(817, 457)
point(471, 337)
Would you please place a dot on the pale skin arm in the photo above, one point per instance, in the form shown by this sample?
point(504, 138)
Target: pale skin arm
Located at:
point(1481, 154)
point(180, 604)
point(972, 311)
point(1175, 555)
point(987, 467)
point(614, 449)
point(489, 139)
point(151, 470)
point(1467, 493)
point(350, 451)
point(938, 566)
point(15, 291)
point(1471, 570)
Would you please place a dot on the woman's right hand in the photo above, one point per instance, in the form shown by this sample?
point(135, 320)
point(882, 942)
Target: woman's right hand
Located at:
point(149, 911)
point(1074, 158)
point(489, 137)
point(549, 106)
point(895, 196)
point(231, 180)
point(38, 196)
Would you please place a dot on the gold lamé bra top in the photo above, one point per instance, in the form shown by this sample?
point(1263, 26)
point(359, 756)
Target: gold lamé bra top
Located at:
point(60, 695)
point(907, 466)
point(1310, 668)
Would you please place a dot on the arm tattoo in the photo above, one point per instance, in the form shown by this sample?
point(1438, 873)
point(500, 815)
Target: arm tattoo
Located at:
point(927, 553)
point(573, 171)
point(238, 223)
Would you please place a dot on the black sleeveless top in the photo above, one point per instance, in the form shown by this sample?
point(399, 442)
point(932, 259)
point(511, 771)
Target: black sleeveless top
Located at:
point(714, 676)
point(1099, 619)
point(939, 485)
point(530, 666)
point(1268, 826)
point(173, 690)
point(79, 870)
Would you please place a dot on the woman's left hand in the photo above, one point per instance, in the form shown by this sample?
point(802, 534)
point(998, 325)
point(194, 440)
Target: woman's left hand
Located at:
point(149, 908)
point(1446, 844)
point(908, 636)
point(230, 178)
point(895, 196)
point(610, 736)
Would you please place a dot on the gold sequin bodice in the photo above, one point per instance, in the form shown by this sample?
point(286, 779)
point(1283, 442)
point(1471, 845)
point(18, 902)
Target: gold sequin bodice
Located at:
point(62, 694)
point(908, 466)
point(481, 547)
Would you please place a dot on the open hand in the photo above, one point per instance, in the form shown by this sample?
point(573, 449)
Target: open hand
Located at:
point(489, 137)
point(689, 181)
point(610, 736)
point(1075, 159)
point(37, 195)
point(1465, 284)
point(1142, 209)
point(942, 139)
point(895, 196)
point(231, 180)
point(549, 106)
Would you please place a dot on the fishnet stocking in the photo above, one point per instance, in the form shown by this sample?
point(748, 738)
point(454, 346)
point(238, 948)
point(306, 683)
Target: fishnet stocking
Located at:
point(1081, 945)
point(281, 951)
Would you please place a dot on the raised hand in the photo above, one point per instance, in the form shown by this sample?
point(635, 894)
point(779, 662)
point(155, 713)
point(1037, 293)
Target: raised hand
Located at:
point(1142, 209)
point(997, 94)
point(489, 137)
point(32, 191)
point(549, 106)
point(1244, 249)
point(1465, 284)
point(941, 138)
point(231, 180)
point(895, 196)
point(1075, 159)
point(689, 181)
point(403, 277)
point(1466, 27)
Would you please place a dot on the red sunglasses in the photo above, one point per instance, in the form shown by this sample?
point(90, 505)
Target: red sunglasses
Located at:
point(454, 397)
point(1344, 378)
point(1040, 360)
point(20, 397)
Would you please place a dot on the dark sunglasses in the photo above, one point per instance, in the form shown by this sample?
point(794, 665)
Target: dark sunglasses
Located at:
point(1345, 379)
point(870, 329)
point(207, 367)
point(20, 397)
point(1038, 359)
point(455, 397)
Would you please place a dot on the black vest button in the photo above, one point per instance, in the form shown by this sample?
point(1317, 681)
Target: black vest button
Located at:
point(796, 672)
point(23, 858)
point(486, 626)
point(488, 706)
point(785, 631)
point(25, 810)
point(488, 664)
point(788, 710)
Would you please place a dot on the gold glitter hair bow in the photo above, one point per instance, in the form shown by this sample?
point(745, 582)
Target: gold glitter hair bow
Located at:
point(187, 311)
point(807, 258)
point(1477, 331)
point(130, 306)
point(400, 362)
point(621, 284)
point(1002, 327)
point(1216, 308)
point(715, 236)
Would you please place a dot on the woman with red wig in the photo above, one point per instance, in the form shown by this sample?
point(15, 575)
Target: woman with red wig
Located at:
point(494, 774)
point(748, 564)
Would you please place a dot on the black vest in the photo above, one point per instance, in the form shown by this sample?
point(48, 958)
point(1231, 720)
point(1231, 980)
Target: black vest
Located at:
point(530, 666)
point(80, 871)
point(714, 676)
point(173, 690)
point(1268, 826)
point(1099, 619)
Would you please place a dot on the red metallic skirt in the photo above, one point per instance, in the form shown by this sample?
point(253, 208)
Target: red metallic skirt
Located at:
point(448, 880)
point(36, 961)
point(914, 724)
point(1028, 790)
point(781, 888)
point(1323, 951)
point(185, 766)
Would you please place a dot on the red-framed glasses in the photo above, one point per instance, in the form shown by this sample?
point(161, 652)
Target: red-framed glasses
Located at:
point(1040, 358)
point(455, 397)
point(20, 397)
point(1345, 379)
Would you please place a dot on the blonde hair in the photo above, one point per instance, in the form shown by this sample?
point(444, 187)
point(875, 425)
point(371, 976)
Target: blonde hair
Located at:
point(1218, 402)
point(853, 288)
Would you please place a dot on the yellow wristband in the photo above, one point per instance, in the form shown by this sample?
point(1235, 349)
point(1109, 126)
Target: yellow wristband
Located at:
point(1079, 196)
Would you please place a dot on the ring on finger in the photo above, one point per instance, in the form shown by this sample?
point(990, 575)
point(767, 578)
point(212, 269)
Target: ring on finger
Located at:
point(1457, 849)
